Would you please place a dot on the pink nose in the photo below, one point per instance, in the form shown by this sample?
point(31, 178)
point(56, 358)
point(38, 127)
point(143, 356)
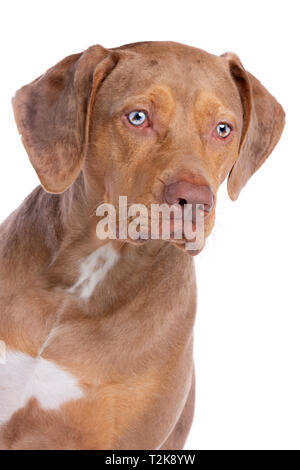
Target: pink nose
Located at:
point(181, 192)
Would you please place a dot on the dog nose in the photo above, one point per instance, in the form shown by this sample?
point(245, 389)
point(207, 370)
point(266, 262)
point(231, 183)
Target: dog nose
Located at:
point(182, 192)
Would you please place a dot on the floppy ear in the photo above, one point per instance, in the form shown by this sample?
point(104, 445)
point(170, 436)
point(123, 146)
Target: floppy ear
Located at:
point(53, 113)
point(264, 121)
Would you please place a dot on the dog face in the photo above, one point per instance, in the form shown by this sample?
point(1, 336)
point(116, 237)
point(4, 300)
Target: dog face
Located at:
point(156, 122)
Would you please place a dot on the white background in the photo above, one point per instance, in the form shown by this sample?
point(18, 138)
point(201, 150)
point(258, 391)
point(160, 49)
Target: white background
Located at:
point(248, 326)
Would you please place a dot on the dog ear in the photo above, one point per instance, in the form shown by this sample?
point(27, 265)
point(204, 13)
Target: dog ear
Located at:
point(53, 114)
point(264, 120)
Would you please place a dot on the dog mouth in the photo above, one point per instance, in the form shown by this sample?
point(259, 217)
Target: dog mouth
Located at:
point(183, 245)
point(180, 224)
point(187, 234)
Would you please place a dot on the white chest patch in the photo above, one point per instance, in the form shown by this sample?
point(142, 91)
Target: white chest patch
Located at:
point(23, 377)
point(93, 270)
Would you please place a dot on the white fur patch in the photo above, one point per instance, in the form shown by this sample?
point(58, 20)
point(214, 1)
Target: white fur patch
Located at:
point(93, 270)
point(23, 377)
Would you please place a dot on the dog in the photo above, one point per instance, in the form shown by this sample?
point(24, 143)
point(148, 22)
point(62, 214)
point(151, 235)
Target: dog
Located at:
point(99, 333)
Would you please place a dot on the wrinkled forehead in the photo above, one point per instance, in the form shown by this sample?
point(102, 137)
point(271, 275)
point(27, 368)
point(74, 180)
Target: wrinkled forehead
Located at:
point(187, 72)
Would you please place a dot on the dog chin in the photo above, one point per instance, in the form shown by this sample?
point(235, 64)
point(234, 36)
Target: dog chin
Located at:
point(183, 246)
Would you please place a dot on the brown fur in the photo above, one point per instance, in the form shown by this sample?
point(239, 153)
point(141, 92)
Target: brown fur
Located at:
point(130, 345)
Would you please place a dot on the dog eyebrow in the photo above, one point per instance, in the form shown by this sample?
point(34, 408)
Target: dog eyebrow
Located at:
point(207, 104)
point(132, 103)
point(157, 96)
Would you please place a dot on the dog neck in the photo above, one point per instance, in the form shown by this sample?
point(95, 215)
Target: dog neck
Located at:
point(81, 264)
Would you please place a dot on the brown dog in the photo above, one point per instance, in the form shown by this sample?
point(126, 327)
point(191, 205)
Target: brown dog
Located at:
point(99, 335)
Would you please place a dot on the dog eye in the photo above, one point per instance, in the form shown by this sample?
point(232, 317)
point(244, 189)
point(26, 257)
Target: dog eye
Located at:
point(137, 118)
point(223, 129)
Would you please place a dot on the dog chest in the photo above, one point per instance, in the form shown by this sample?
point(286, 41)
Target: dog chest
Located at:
point(23, 377)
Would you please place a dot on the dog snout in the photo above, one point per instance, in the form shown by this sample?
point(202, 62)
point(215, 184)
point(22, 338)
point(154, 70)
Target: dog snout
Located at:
point(182, 192)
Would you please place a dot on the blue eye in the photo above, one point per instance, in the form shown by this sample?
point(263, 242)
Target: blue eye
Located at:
point(223, 129)
point(137, 118)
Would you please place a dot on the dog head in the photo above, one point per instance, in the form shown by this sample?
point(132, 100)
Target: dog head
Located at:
point(158, 122)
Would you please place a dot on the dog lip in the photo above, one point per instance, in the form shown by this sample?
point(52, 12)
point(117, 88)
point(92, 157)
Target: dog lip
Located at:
point(138, 241)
